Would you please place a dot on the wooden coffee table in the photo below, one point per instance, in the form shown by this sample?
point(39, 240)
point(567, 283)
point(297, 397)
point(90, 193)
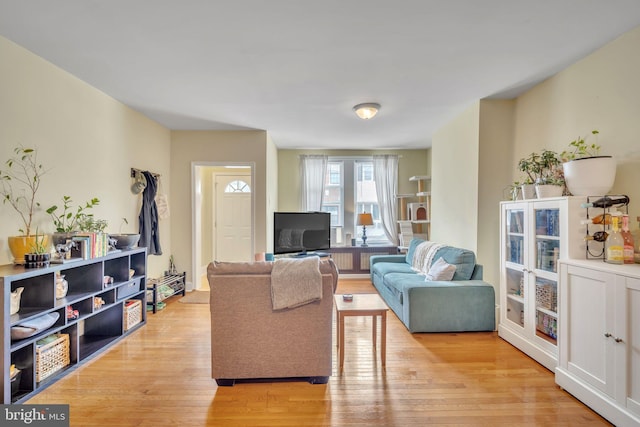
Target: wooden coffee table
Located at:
point(362, 305)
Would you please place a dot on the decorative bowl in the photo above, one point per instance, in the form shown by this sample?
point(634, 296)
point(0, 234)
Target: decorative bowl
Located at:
point(126, 240)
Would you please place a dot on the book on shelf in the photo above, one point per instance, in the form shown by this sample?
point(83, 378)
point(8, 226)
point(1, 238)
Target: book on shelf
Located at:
point(91, 245)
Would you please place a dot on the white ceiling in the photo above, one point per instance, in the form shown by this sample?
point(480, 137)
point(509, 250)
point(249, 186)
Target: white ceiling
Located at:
point(296, 67)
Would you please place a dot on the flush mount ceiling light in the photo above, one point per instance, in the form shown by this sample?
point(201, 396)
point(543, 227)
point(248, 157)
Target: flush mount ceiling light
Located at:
point(367, 110)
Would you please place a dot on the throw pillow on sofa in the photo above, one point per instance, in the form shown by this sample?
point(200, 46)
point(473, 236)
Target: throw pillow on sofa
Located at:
point(440, 270)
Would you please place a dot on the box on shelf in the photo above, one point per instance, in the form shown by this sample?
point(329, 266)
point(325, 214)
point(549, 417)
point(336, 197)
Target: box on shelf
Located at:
point(132, 313)
point(546, 324)
point(52, 356)
point(546, 296)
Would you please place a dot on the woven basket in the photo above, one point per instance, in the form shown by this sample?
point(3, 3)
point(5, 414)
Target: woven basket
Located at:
point(132, 313)
point(52, 357)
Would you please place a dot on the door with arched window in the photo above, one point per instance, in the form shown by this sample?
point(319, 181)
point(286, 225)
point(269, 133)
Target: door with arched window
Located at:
point(233, 218)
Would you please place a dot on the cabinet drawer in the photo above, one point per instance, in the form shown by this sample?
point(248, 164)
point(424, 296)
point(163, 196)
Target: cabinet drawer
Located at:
point(128, 288)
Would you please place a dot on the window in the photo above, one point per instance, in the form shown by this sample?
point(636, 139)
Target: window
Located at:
point(350, 189)
point(237, 187)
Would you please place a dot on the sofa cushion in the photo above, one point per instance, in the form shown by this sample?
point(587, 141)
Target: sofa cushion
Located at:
point(383, 268)
point(463, 259)
point(412, 249)
point(440, 270)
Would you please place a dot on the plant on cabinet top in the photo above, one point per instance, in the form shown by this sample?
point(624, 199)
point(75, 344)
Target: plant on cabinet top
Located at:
point(20, 183)
point(69, 220)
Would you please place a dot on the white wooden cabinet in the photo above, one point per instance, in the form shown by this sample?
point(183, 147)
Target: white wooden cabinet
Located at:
point(534, 235)
point(599, 353)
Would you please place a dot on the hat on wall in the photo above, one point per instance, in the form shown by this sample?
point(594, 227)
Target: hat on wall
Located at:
point(139, 183)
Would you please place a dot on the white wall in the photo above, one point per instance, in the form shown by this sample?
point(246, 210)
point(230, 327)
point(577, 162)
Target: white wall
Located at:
point(454, 181)
point(189, 147)
point(602, 92)
point(87, 140)
point(474, 156)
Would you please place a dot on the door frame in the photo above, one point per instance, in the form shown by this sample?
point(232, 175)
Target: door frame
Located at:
point(197, 267)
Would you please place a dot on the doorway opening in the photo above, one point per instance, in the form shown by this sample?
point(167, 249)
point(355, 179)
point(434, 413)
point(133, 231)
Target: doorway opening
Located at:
point(222, 216)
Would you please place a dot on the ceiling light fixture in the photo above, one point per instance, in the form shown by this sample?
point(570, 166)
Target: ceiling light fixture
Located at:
point(367, 110)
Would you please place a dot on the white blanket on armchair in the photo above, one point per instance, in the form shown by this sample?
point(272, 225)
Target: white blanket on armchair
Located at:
point(295, 282)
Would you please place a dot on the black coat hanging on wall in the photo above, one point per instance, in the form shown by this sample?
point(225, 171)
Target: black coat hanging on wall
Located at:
point(148, 218)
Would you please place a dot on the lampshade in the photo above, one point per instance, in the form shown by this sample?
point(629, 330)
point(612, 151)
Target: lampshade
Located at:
point(365, 219)
point(367, 110)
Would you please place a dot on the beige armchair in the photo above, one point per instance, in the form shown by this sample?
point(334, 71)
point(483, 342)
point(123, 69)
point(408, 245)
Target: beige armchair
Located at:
point(249, 340)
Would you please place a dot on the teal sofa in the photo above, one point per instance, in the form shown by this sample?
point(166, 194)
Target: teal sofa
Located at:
point(466, 303)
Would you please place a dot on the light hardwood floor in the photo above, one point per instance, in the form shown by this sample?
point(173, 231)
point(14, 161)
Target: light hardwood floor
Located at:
point(160, 376)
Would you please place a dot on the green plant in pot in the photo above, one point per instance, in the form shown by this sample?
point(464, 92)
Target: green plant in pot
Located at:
point(67, 220)
point(513, 191)
point(87, 223)
point(550, 179)
point(530, 165)
point(125, 240)
point(20, 182)
point(38, 255)
point(586, 172)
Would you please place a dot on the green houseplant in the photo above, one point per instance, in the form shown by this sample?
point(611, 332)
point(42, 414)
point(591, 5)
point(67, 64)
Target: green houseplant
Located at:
point(529, 165)
point(38, 255)
point(20, 181)
point(125, 240)
point(550, 180)
point(543, 176)
point(585, 170)
point(67, 220)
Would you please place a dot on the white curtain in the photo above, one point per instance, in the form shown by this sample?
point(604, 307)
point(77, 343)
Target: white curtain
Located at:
point(313, 168)
point(385, 174)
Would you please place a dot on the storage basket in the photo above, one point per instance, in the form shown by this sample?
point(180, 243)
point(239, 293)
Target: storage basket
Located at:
point(132, 313)
point(52, 357)
point(546, 296)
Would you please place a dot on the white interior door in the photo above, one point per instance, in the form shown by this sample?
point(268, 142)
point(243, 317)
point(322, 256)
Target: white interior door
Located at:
point(233, 218)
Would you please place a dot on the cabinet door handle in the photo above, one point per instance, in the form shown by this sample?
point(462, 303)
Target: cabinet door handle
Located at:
point(607, 335)
point(616, 339)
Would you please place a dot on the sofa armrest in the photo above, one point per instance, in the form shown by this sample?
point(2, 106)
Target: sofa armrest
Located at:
point(477, 272)
point(386, 258)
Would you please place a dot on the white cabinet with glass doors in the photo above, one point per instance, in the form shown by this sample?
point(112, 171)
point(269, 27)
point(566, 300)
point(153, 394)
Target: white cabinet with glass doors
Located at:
point(535, 234)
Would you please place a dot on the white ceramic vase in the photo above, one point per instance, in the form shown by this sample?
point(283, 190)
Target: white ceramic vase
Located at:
point(528, 191)
point(547, 190)
point(15, 301)
point(590, 176)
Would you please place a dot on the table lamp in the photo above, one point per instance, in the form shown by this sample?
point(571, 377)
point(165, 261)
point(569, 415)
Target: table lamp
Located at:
point(364, 219)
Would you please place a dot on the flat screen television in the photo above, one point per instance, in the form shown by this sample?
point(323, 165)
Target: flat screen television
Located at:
point(301, 232)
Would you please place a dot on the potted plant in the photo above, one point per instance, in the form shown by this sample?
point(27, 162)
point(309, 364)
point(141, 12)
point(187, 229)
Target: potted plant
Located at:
point(67, 222)
point(20, 183)
point(550, 179)
point(514, 191)
point(530, 166)
point(88, 224)
point(125, 240)
point(586, 172)
point(38, 255)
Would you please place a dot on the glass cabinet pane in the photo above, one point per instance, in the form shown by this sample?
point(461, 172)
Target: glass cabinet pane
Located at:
point(547, 222)
point(515, 232)
point(515, 311)
point(547, 239)
point(515, 283)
